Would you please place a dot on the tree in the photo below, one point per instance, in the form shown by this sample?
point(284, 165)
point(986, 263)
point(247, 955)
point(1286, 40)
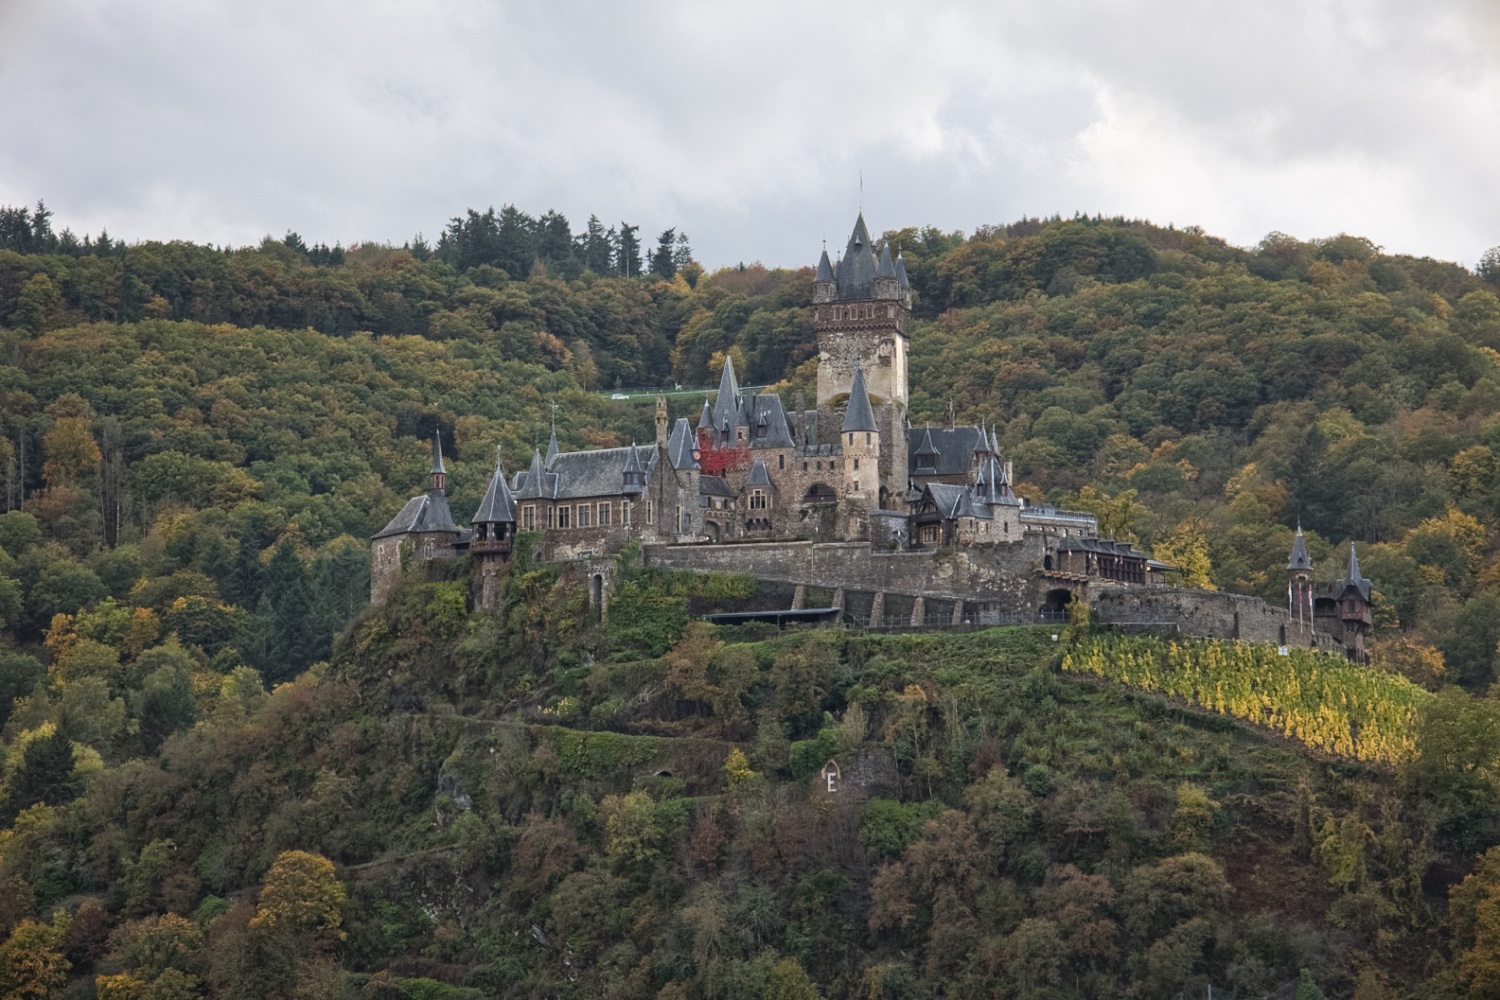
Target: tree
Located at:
point(32, 964)
point(790, 982)
point(165, 704)
point(1489, 266)
point(290, 646)
point(628, 251)
point(596, 248)
point(46, 775)
point(664, 260)
point(301, 897)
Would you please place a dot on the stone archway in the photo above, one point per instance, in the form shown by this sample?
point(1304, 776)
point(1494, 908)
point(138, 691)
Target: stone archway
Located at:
point(1056, 602)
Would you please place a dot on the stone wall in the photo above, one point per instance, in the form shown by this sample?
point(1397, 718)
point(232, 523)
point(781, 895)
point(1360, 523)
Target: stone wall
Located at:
point(1209, 614)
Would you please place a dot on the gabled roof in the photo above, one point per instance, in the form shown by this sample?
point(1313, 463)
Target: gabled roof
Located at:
point(765, 410)
point(584, 474)
point(954, 446)
point(1299, 559)
point(428, 512)
point(498, 505)
point(858, 416)
point(681, 443)
point(536, 482)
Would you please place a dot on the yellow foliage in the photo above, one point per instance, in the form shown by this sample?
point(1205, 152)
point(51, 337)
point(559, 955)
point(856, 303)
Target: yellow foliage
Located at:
point(301, 893)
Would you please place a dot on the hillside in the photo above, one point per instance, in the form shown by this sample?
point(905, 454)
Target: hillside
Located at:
point(197, 443)
point(534, 804)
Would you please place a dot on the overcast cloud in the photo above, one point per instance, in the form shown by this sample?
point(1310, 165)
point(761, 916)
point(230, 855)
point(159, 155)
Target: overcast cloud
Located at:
point(748, 125)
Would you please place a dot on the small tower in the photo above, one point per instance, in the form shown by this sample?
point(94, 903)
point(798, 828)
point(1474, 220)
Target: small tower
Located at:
point(494, 525)
point(1299, 595)
point(825, 289)
point(663, 423)
point(1354, 608)
point(860, 440)
point(422, 530)
point(634, 476)
point(438, 476)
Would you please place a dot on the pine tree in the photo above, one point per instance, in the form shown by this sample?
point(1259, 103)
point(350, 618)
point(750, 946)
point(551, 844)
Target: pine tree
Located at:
point(290, 646)
point(663, 261)
point(628, 250)
point(45, 775)
point(246, 577)
point(596, 247)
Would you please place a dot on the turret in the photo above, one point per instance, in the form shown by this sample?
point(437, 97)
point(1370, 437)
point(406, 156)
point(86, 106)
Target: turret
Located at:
point(887, 281)
point(1299, 582)
point(494, 521)
point(552, 448)
point(635, 473)
point(860, 439)
point(825, 286)
point(438, 476)
point(663, 422)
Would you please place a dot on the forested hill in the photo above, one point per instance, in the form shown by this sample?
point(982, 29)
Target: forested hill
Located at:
point(198, 442)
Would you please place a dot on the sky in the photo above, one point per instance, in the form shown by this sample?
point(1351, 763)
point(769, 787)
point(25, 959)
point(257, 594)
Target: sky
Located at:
point(757, 128)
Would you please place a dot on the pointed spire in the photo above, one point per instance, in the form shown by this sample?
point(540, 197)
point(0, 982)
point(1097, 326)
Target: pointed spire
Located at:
point(727, 402)
point(1299, 561)
point(706, 420)
point(1354, 576)
point(856, 270)
point(901, 272)
point(552, 448)
point(859, 416)
point(927, 448)
point(438, 476)
point(982, 446)
point(887, 268)
point(498, 505)
point(825, 268)
point(536, 469)
point(635, 473)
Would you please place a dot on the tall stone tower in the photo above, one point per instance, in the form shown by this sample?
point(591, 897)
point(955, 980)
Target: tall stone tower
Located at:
point(862, 315)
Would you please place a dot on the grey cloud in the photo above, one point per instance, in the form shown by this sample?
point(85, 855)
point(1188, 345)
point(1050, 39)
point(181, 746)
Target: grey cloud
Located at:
point(748, 125)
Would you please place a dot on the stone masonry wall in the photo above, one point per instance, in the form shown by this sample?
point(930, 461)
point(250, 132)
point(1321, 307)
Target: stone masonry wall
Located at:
point(1210, 614)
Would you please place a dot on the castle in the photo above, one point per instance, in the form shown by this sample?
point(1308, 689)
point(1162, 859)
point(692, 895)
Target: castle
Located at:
point(847, 496)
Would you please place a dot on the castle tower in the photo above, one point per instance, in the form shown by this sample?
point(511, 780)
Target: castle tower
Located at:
point(662, 421)
point(494, 524)
point(421, 530)
point(1354, 608)
point(860, 438)
point(1299, 597)
point(862, 314)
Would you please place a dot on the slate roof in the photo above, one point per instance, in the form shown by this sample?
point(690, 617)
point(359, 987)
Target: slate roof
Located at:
point(1352, 578)
point(428, 512)
point(856, 270)
point(706, 420)
point(825, 269)
point(887, 267)
point(1299, 559)
point(926, 450)
point(954, 501)
point(498, 505)
point(552, 449)
point(536, 482)
point(680, 445)
point(859, 416)
point(1103, 546)
point(954, 445)
point(580, 474)
point(727, 402)
point(437, 454)
point(901, 273)
point(759, 474)
point(766, 411)
point(715, 486)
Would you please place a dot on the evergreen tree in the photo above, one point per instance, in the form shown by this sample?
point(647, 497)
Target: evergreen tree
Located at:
point(628, 250)
point(290, 646)
point(45, 775)
point(419, 247)
point(664, 260)
point(596, 247)
point(515, 245)
point(682, 253)
point(246, 577)
point(554, 240)
point(214, 561)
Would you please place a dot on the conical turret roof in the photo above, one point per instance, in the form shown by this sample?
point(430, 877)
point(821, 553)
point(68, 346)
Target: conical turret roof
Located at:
point(927, 447)
point(825, 268)
point(859, 416)
point(887, 267)
point(901, 273)
point(437, 454)
point(706, 420)
point(552, 448)
point(498, 505)
point(856, 273)
point(1299, 560)
point(727, 402)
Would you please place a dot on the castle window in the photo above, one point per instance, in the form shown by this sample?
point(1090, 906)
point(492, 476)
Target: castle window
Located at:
point(584, 510)
point(650, 511)
point(564, 516)
point(856, 482)
point(804, 466)
point(551, 518)
point(625, 512)
point(757, 500)
point(606, 514)
point(867, 439)
point(856, 468)
point(780, 461)
point(528, 517)
point(851, 438)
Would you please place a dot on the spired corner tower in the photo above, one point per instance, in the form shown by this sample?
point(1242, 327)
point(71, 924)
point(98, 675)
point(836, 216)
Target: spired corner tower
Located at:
point(862, 315)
